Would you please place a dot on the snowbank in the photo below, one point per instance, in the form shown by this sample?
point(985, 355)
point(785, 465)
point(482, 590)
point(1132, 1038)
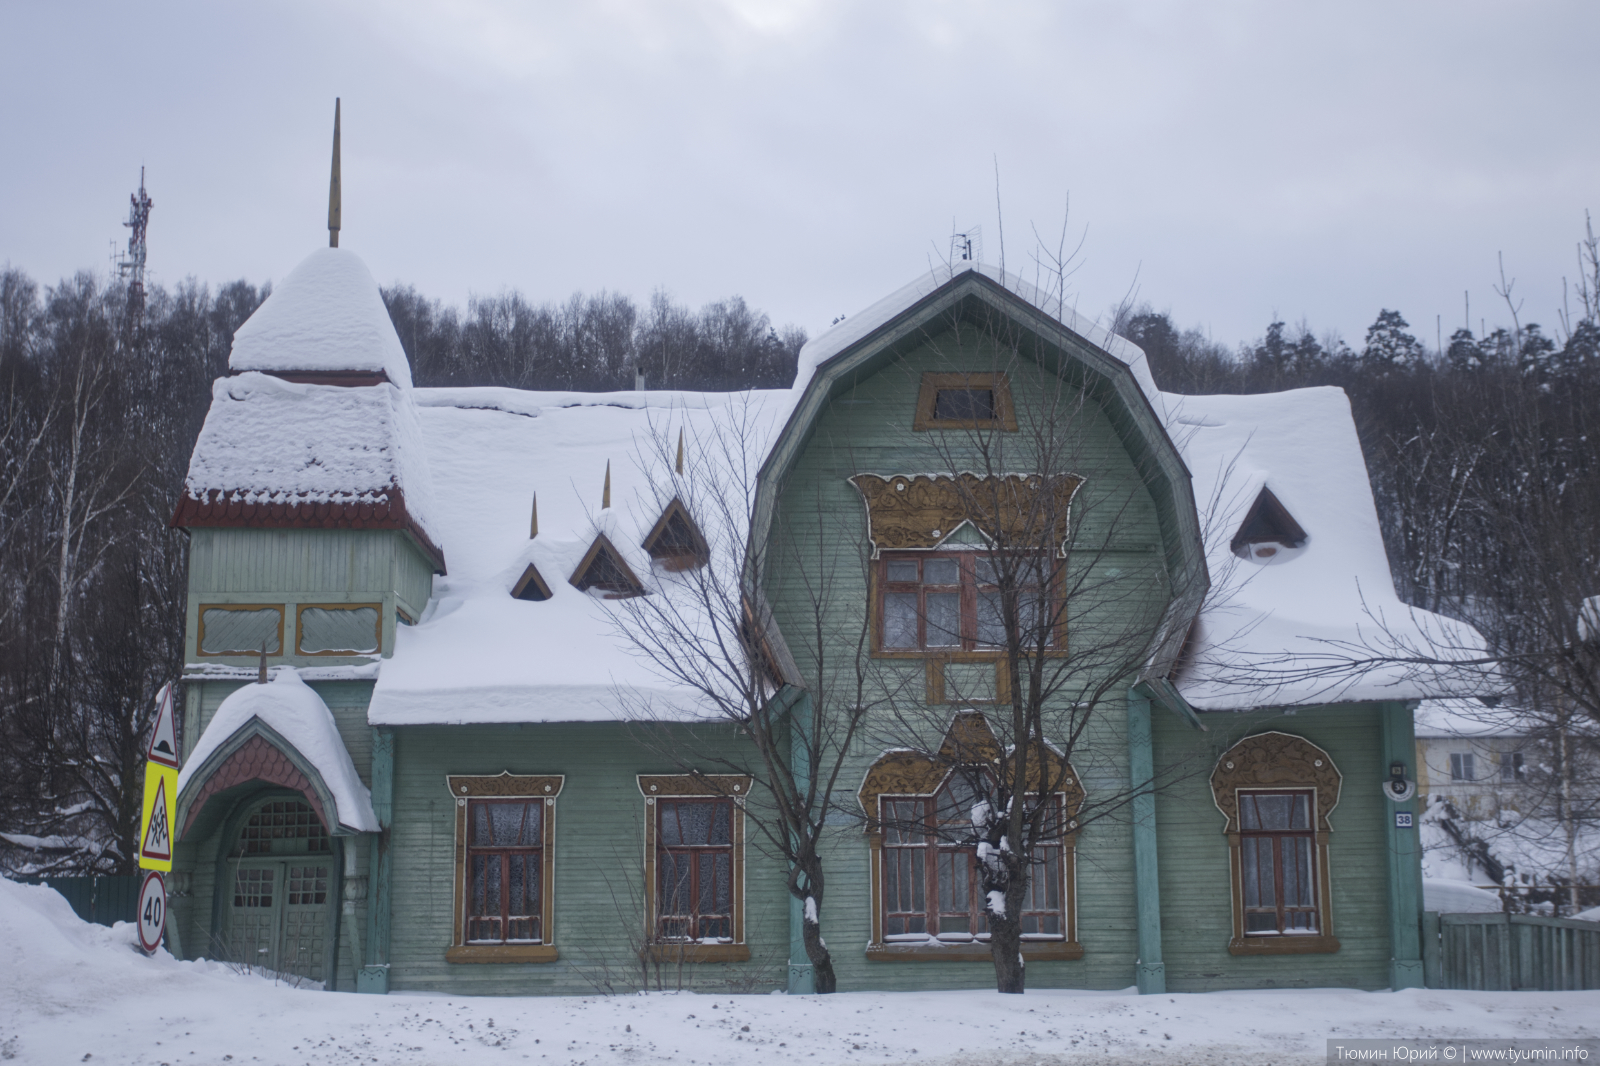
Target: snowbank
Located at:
point(75, 993)
point(1458, 897)
point(293, 709)
point(327, 315)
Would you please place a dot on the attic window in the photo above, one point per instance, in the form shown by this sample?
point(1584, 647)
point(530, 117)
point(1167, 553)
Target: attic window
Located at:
point(530, 586)
point(1267, 530)
point(676, 542)
point(965, 401)
point(603, 568)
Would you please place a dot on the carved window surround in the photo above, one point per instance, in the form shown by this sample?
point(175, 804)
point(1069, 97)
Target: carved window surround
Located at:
point(907, 773)
point(920, 511)
point(679, 786)
point(505, 785)
point(1273, 761)
point(995, 382)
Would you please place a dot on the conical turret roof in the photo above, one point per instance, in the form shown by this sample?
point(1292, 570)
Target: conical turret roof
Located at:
point(326, 318)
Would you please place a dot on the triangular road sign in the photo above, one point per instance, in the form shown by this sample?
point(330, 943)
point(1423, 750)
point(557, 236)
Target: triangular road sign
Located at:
point(158, 834)
point(164, 739)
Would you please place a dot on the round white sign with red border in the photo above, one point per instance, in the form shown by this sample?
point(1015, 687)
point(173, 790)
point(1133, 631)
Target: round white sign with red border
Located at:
point(152, 911)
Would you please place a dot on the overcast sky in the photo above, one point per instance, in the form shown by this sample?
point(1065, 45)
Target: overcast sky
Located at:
point(1240, 160)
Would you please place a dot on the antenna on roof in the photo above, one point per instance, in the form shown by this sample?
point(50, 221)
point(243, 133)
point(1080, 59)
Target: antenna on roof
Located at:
point(967, 247)
point(680, 449)
point(335, 205)
point(533, 524)
point(605, 494)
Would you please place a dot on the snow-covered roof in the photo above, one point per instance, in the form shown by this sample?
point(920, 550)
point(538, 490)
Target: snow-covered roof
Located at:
point(1468, 718)
point(1281, 632)
point(293, 710)
point(854, 327)
point(268, 442)
point(479, 655)
point(326, 316)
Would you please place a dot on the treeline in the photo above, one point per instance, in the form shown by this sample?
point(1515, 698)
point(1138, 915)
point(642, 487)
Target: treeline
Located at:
point(593, 343)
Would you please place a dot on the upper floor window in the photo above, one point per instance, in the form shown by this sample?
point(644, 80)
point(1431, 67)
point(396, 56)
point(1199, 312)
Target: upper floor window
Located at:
point(1461, 767)
point(240, 629)
point(1511, 766)
point(932, 601)
point(965, 401)
point(338, 629)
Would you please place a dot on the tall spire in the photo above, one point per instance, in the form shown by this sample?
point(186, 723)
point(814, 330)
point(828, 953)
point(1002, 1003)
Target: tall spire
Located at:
point(605, 493)
point(334, 206)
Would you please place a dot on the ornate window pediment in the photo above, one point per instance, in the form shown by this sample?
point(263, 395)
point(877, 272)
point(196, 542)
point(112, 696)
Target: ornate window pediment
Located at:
point(922, 511)
point(1276, 792)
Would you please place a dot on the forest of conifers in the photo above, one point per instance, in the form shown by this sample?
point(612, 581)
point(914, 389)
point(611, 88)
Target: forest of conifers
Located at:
point(1483, 459)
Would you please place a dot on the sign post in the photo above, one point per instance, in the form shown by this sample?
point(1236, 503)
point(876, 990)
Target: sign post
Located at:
point(156, 829)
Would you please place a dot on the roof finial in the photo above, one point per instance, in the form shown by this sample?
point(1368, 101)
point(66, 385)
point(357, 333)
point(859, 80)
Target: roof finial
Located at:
point(335, 207)
point(605, 494)
point(533, 525)
point(261, 678)
point(680, 449)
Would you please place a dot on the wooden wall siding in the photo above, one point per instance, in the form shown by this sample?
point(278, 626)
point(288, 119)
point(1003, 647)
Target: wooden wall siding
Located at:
point(598, 861)
point(1195, 894)
point(320, 566)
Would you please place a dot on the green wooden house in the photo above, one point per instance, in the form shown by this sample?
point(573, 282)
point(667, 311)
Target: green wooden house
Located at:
point(445, 782)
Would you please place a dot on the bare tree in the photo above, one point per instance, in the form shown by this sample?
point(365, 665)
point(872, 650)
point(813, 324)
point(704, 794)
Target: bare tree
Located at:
point(704, 627)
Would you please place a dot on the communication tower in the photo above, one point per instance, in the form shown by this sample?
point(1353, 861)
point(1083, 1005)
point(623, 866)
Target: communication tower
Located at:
point(131, 266)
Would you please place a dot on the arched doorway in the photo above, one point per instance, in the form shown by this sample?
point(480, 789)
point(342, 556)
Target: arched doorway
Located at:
point(281, 886)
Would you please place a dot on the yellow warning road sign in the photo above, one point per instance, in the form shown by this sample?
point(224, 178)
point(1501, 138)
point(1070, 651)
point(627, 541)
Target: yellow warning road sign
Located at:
point(156, 824)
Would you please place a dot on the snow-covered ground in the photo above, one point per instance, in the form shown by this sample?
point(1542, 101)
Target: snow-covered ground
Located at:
point(77, 993)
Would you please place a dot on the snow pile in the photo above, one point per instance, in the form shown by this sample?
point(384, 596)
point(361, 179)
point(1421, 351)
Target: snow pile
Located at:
point(1285, 632)
point(477, 654)
point(295, 712)
point(270, 441)
point(1458, 897)
point(74, 993)
point(327, 315)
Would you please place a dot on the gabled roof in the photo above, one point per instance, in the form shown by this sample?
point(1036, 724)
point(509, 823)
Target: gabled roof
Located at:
point(675, 540)
point(1113, 372)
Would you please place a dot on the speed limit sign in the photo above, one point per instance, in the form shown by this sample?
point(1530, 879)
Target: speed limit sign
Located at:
point(152, 912)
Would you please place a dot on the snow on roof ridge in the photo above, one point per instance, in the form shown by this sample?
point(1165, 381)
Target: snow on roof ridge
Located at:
point(853, 328)
point(532, 402)
point(327, 315)
point(293, 710)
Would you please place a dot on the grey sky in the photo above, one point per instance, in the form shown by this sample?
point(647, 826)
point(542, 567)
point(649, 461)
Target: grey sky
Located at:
point(1244, 159)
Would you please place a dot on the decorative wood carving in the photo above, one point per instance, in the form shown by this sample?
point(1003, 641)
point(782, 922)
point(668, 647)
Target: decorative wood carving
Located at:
point(918, 511)
point(969, 741)
point(1278, 760)
point(506, 785)
point(736, 786)
point(1275, 760)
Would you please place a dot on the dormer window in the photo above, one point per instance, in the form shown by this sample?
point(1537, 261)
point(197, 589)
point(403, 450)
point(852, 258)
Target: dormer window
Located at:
point(965, 401)
point(604, 568)
point(530, 586)
point(676, 542)
point(1269, 532)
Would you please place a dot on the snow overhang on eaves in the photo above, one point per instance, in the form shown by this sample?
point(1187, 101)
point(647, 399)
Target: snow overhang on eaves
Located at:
point(973, 296)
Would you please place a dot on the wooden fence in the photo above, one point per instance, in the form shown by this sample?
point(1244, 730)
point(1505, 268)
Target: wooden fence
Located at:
point(103, 900)
point(1509, 952)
